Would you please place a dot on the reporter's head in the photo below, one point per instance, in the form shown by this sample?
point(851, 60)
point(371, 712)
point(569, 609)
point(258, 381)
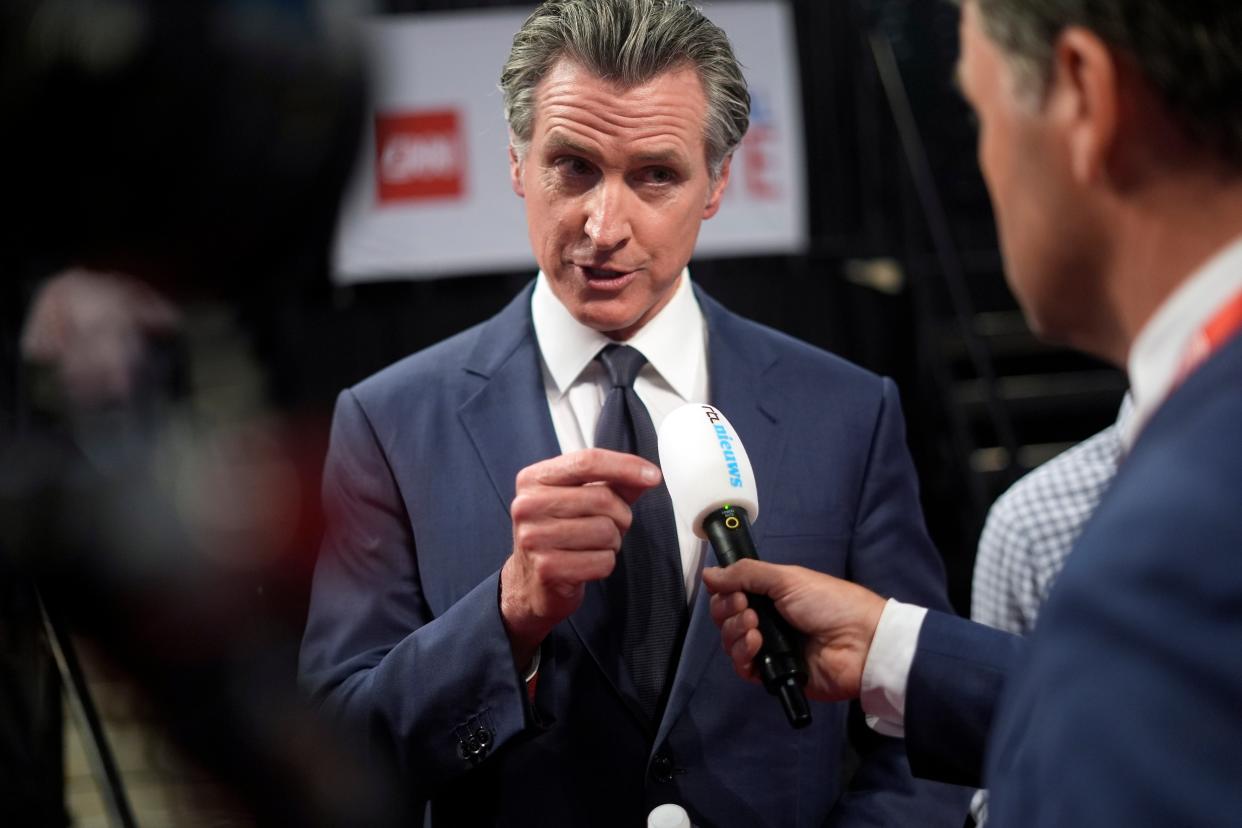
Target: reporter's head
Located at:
point(1189, 51)
point(1111, 142)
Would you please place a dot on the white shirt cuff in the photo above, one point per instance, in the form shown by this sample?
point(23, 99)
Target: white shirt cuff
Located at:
point(534, 666)
point(887, 669)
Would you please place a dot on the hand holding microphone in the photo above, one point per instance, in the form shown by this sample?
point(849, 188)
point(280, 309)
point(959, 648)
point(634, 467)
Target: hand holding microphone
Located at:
point(709, 478)
point(838, 617)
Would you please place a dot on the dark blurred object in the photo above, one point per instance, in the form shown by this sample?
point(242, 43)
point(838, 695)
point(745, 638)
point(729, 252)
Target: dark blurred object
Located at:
point(194, 144)
point(163, 507)
point(31, 752)
point(91, 329)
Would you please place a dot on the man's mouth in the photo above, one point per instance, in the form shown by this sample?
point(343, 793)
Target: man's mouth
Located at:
point(602, 272)
point(605, 277)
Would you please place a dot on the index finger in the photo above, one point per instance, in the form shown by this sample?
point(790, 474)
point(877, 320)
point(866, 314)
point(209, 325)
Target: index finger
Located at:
point(748, 576)
point(628, 474)
point(726, 605)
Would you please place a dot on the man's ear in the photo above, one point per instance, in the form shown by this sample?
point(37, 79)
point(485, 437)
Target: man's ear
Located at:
point(718, 188)
point(515, 171)
point(1085, 93)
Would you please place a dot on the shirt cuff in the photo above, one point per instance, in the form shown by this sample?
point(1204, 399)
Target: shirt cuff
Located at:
point(887, 669)
point(533, 669)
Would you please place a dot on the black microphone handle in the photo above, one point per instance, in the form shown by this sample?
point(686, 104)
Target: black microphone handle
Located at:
point(780, 662)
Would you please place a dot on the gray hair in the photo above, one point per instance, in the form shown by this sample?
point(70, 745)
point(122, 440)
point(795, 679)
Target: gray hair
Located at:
point(630, 42)
point(1189, 50)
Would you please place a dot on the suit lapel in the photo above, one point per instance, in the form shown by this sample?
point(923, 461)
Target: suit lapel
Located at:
point(737, 366)
point(507, 418)
point(510, 425)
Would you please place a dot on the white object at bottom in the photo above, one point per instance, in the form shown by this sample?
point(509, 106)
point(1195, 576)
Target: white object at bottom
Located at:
point(669, 816)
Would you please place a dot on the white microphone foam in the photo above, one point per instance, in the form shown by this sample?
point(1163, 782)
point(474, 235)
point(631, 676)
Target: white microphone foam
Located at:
point(705, 465)
point(669, 816)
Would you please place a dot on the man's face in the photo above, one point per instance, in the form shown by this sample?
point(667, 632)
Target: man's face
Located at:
point(1042, 216)
point(616, 186)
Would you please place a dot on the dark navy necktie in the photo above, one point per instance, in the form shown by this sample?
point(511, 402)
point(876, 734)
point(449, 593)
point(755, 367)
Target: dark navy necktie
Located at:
point(647, 595)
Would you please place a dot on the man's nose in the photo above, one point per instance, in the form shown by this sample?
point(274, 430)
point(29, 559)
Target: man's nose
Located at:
point(607, 220)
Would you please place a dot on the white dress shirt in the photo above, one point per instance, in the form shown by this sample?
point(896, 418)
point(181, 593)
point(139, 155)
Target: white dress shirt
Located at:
point(674, 342)
point(1154, 364)
point(1157, 355)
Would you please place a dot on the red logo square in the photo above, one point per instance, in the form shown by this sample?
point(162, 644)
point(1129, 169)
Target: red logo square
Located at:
point(419, 156)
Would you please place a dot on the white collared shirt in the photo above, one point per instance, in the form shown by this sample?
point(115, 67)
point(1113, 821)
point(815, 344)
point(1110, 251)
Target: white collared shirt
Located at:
point(1157, 354)
point(1155, 358)
point(674, 342)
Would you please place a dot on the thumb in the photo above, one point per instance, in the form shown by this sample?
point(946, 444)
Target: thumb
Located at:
point(747, 576)
point(646, 475)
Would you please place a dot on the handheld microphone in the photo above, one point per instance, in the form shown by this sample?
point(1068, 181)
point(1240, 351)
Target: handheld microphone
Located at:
point(709, 479)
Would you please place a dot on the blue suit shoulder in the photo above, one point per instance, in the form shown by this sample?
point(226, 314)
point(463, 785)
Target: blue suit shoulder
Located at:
point(451, 370)
point(433, 369)
point(413, 404)
point(799, 371)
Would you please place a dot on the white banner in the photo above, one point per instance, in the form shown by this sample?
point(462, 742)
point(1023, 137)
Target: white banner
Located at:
point(431, 195)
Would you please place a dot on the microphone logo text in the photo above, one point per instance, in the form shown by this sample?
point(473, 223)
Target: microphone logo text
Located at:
point(725, 441)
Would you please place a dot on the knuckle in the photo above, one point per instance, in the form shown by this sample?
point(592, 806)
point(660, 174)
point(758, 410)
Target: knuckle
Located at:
point(602, 499)
point(526, 477)
point(525, 535)
point(625, 518)
point(545, 569)
point(608, 565)
point(580, 461)
point(601, 533)
point(521, 507)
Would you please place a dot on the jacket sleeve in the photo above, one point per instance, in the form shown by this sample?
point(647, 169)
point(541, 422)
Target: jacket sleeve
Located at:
point(1126, 709)
point(955, 682)
point(892, 555)
point(435, 695)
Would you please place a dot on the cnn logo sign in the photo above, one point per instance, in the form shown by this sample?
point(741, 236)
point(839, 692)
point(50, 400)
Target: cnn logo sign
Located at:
point(419, 156)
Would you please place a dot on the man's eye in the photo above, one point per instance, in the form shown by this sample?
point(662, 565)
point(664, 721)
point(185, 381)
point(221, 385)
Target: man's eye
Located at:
point(659, 175)
point(570, 165)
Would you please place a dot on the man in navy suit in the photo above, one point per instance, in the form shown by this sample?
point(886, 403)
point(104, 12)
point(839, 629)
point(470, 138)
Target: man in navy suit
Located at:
point(463, 613)
point(1111, 140)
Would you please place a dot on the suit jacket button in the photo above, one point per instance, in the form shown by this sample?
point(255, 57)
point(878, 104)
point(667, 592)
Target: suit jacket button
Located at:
point(474, 747)
point(662, 767)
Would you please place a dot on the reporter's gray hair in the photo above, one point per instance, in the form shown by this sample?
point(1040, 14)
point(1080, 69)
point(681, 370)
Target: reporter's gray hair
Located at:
point(629, 42)
point(1189, 50)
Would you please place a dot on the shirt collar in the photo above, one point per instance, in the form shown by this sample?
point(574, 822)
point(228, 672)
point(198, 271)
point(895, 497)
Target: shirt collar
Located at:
point(1158, 350)
point(568, 346)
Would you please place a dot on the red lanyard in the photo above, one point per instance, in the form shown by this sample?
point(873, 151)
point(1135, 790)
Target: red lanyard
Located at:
point(1223, 326)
